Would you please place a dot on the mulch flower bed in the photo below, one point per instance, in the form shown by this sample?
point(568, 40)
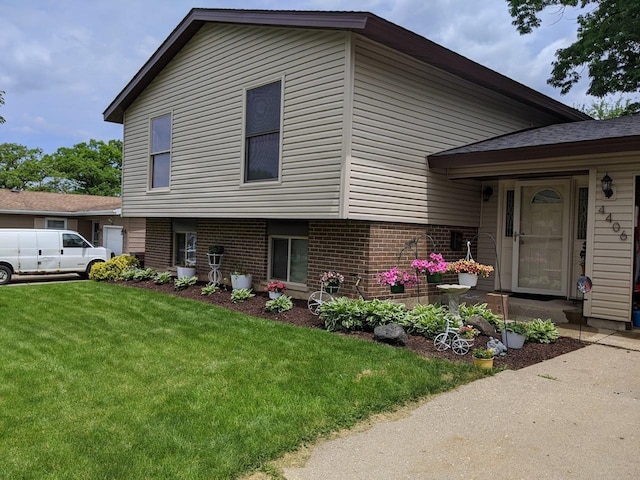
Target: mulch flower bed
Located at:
point(300, 315)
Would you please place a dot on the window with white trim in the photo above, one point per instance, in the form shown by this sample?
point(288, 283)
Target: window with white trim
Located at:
point(160, 160)
point(262, 132)
point(289, 258)
point(185, 248)
point(54, 223)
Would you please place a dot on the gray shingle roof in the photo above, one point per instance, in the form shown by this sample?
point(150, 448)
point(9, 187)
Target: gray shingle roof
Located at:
point(575, 138)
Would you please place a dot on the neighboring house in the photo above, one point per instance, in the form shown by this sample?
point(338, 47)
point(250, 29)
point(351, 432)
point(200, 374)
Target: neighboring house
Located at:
point(96, 218)
point(549, 203)
point(298, 140)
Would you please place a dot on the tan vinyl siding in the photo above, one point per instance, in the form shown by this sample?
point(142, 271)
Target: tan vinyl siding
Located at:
point(404, 110)
point(17, 221)
point(486, 246)
point(611, 268)
point(204, 87)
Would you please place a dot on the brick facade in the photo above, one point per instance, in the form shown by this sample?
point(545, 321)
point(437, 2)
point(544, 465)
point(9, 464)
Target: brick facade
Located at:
point(348, 246)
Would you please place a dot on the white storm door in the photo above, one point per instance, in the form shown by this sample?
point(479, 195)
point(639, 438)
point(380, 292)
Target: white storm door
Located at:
point(541, 233)
point(112, 238)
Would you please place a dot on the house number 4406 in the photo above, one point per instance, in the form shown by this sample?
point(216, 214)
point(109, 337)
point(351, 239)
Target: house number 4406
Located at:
point(615, 226)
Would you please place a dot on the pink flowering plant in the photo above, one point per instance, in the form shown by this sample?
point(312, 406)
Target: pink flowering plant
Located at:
point(395, 277)
point(276, 286)
point(470, 266)
point(468, 331)
point(436, 264)
point(334, 279)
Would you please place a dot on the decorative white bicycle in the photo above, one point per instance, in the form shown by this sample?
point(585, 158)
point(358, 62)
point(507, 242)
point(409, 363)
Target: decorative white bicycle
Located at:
point(450, 338)
point(316, 299)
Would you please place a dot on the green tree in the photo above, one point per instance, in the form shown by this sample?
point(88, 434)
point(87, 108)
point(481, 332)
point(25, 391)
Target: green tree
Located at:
point(602, 109)
point(92, 168)
point(608, 43)
point(2, 120)
point(20, 167)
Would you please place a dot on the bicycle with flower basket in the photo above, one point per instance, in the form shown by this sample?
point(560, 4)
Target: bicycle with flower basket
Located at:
point(459, 339)
point(329, 283)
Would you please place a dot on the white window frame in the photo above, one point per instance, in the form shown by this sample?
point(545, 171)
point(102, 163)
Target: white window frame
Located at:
point(55, 219)
point(186, 247)
point(270, 263)
point(244, 168)
point(153, 154)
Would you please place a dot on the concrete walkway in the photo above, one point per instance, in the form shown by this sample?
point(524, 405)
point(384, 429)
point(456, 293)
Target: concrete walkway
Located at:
point(576, 416)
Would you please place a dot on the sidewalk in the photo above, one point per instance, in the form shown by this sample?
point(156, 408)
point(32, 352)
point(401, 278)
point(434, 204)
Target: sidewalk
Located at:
point(576, 416)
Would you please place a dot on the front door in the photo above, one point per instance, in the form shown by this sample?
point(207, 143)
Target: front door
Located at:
point(541, 247)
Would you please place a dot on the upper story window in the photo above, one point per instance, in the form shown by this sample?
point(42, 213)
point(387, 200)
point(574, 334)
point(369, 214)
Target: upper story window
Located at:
point(262, 132)
point(160, 167)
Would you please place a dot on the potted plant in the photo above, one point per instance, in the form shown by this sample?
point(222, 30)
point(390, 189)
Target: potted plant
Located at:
point(483, 357)
point(186, 269)
point(433, 268)
point(468, 332)
point(514, 334)
point(216, 252)
point(397, 279)
point(241, 279)
point(468, 271)
point(331, 281)
point(275, 289)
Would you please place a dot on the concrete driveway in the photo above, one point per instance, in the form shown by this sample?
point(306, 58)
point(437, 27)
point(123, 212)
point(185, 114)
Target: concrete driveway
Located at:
point(576, 416)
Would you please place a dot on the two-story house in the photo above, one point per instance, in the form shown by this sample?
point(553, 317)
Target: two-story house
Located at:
point(299, 141)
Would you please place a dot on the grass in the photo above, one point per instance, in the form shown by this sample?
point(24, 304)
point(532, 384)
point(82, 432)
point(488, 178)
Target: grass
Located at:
point(103, 381)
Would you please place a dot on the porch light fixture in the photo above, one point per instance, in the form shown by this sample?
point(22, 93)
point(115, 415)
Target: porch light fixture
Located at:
point(607, 186)
point(486, 193)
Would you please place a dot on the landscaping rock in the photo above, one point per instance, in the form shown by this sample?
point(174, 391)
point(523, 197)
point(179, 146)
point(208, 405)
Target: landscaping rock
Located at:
point(481, 324)
point(392, 333)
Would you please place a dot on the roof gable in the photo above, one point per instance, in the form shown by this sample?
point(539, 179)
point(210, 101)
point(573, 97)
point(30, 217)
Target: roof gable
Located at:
point(362, 23)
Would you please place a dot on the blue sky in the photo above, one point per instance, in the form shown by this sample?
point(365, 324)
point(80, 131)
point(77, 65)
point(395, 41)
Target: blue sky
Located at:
point(63, 61)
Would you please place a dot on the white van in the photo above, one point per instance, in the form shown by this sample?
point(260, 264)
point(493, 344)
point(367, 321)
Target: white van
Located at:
point(37, 252)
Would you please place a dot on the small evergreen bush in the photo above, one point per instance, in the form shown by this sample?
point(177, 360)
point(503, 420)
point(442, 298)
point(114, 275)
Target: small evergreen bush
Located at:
point(112, 269)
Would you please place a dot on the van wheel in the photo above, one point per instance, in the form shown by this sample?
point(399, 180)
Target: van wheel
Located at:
point(5, 274)
point(85, 274)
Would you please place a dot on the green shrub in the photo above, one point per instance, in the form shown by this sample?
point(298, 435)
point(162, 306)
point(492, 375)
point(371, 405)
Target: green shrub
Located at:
point(478, 310)
point(209, 289)
point(281, 304)
point(381, 312)
point(542, 331)
point(241, 294)
point(137, 274)
point(520, 328)
point(342, 314)
point(112, 269)
point(428, 320)
point(184, 282)
point(162, 277)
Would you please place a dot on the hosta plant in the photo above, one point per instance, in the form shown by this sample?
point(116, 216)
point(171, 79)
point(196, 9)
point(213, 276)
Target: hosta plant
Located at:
point(161, 278)
point(209, 289)
point(542, 331)
point(342, 314)
point(241, 294)
point(381, 312)
point(281, 304)
point(184, 282)
point(428, 320)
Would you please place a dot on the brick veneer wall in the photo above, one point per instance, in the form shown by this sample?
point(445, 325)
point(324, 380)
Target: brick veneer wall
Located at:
point(158, 243)
point(245, 245)
point(347, 246)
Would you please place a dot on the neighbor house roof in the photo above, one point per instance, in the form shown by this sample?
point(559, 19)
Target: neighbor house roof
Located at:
point(577, 138)
point(63, 204)
point(362, 23)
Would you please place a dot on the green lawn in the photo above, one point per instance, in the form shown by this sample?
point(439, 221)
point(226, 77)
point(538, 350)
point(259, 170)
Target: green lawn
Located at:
point(99, 381)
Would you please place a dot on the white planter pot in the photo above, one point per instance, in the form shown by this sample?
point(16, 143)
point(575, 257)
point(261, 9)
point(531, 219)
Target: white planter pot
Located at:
point(186, 272)
point(468, 279)
point(512, 340)
point(274, 295)
point(241, 281)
